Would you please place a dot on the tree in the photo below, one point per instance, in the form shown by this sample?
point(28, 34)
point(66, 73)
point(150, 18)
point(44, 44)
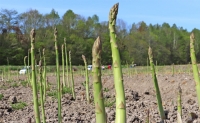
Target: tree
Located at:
point(31, 19)
point(8, 18)
point(52, 19)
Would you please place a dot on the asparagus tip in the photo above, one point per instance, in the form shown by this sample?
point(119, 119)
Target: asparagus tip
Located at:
point(32, 34)
point(96, 46)
point(55, 31)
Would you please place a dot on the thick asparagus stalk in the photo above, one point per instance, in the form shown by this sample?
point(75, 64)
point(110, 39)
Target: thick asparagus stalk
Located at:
point(34, 85)
point(58, 77)
point(86, 79)
point(158, 96)
point(97, 85)
point(195, 67)
point(117, 70)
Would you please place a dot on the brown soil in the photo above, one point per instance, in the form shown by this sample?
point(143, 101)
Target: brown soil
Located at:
point(140, 97)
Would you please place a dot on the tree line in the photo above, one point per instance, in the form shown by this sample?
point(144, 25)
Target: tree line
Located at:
point(170, 44)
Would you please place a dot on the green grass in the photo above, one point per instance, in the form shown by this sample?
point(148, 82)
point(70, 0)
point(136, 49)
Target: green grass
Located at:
point(55, 94)
point(19, 105)
point(52, 94)
point(109, 102)
point(1, 96)
point(66, 90)
point(24, 83)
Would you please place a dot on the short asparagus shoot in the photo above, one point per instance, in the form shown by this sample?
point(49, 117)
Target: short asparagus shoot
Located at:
point(97, 84)
point(179, 106)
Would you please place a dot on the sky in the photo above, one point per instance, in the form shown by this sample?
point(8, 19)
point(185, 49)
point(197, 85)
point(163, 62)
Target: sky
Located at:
point(183, 13)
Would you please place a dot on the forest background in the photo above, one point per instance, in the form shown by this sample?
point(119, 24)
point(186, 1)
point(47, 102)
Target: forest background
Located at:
point(170, 44)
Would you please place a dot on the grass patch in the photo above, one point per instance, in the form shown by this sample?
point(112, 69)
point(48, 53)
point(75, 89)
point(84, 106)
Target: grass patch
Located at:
point(4, 87)
point(24, 83)
point(55, 93)
point(19, 105)
point(14, 85)
point(66, 90)
point(1, 96)
point(52, 94)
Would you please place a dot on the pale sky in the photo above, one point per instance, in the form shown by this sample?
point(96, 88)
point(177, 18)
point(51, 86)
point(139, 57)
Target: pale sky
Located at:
point(184, 13)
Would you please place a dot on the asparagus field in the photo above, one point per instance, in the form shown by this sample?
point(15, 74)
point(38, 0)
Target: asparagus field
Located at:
point(139, 94)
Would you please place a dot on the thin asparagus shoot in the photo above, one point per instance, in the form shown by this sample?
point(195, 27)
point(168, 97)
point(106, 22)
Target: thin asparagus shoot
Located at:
point(155, 81)
point(58, 77)
point(86, 79)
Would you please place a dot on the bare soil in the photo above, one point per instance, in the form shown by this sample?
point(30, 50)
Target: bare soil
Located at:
point(139, 92)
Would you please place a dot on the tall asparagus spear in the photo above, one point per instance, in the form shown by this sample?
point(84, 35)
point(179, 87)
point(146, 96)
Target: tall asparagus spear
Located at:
point(44, 75)
point(66, 61)
point(117, 70)
point(29, 81)
point(97, 85)
point(195, 67)
point(35, 96)
point(58, 77)
point(158, 96)
point(63, 65)
point(86, 79)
